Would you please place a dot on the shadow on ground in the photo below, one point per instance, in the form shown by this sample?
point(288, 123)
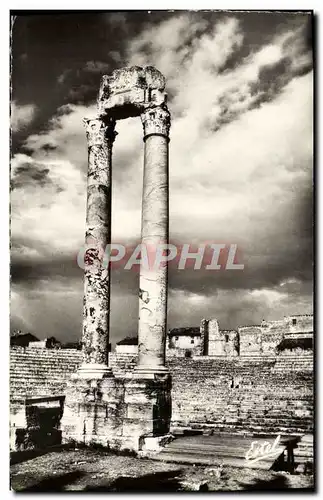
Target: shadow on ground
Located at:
point(54, 483)
point(279, 483)
point(17, 457)
point(158, 481)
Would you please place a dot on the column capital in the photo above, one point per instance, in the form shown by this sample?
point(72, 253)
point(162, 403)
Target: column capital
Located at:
point(99, 131)
point(156, 121)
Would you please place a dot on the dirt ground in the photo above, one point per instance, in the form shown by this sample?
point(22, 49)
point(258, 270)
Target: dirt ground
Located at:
point(96, 470)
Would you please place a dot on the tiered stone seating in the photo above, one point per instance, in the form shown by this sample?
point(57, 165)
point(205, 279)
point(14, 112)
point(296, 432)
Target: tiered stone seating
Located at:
point(304, 452)
point(41, 372)
point(122, 364)
point(244, 395)
point(302, 362)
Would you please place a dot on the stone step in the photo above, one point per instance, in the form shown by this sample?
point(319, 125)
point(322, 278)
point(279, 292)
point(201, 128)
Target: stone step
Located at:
point(304, 453)
point(198, 459)
point(244, 428)
point(215, 461)
point(229, 449)
point(307, 439)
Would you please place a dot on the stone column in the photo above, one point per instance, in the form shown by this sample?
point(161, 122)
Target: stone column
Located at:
point(154, 232)
point(96, 311)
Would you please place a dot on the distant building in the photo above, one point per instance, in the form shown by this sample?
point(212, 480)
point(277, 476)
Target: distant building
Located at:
point(266, 337)
point(76, 345)
point(206, 340)
point(184, 342)
point(49, 343)
point(22, 339)
point(73, 345)
point(128, 345)
point(293, 333)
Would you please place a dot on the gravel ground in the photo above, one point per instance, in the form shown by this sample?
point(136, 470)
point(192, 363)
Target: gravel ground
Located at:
point(96, 470)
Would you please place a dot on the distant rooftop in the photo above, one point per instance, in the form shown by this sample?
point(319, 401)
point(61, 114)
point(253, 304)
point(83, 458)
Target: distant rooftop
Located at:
point(186, 331)
point(128, 341)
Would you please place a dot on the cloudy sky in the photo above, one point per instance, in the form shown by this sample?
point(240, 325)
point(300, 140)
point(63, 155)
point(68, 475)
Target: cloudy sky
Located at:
point(240, 91)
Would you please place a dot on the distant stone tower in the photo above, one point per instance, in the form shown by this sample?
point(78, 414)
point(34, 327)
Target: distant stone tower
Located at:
point(204, 329)
point(216, 342)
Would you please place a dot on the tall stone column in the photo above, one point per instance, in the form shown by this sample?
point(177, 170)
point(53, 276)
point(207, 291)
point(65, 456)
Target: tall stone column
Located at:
point(96, 311)
point(154, 232)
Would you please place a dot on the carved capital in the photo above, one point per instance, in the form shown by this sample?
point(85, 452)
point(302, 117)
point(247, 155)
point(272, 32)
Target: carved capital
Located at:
point(99, 131)
point(156, 121)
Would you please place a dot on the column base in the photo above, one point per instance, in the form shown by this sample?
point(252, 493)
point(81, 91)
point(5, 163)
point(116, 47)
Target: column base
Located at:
point(154, 444)
point(150, 371)
point(93, 371)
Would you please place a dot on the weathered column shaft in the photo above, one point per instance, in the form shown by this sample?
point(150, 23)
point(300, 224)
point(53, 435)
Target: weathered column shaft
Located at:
point(96, 311)
point(154, 233)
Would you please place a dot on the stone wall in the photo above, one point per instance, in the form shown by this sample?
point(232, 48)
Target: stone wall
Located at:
point(263, 339)
point(254, 340)
point(241, 394)
point(250, 340)
point(183, 352)
point(219, 342)
point(299, 323)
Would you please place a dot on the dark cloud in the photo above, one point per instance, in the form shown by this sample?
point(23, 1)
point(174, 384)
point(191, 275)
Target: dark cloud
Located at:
point(271, 82)
point(54, 53)
point(48, 148)
point(30, 173)
point(276, 247)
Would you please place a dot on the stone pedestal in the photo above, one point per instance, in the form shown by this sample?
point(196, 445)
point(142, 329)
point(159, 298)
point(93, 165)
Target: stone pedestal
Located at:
point(92, 414)
point(148, 409)
point(115, 413)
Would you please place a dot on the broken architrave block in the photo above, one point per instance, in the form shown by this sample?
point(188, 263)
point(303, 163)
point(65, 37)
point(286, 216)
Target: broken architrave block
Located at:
point(129, 91)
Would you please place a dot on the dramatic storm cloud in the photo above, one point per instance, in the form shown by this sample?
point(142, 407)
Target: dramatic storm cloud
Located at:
point(240, 90)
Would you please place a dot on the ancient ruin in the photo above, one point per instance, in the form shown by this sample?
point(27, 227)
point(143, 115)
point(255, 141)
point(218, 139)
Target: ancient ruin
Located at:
point(99, 407)
point(253, 381)
point(291, 334)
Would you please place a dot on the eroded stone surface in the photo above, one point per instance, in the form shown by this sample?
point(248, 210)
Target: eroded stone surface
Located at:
point(154, 233)
point(115, 413)
point(102, 409)
point(129, 91)
point(95, 338)
point(156, 121)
